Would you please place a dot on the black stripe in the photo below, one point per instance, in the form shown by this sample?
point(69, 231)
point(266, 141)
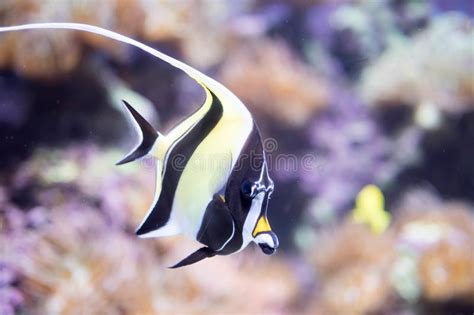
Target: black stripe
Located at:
point(248, 166)
point(181, 136)
point(184, 149)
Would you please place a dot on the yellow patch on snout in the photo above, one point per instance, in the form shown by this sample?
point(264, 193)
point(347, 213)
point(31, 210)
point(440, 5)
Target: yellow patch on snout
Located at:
point(262, 226)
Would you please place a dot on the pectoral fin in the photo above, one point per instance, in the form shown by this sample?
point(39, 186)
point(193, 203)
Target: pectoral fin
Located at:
point(217, 229)
point(198, 255)
point(217, 226)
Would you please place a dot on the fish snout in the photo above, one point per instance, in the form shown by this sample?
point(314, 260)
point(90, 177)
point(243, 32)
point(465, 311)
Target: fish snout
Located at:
point(268, 242)
point(267, 249)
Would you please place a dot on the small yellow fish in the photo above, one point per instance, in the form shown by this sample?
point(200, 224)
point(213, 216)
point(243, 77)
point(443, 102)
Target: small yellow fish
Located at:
point(369, 209)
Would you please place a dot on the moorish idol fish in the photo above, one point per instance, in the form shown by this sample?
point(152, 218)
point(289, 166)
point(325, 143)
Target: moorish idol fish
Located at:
point(223, 207)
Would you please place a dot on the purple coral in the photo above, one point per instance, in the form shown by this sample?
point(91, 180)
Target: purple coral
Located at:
point(352, 151)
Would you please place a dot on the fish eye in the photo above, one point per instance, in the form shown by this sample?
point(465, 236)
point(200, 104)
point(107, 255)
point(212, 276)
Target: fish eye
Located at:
point(248, 189)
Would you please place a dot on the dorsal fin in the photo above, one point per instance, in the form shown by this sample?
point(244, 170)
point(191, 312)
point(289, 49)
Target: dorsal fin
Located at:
point(200, 77)
point(233, 105)
point(147, 133)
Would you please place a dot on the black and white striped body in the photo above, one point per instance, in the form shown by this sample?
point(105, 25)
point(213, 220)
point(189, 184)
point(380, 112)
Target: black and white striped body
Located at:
point(208, 201)
point(222, 205)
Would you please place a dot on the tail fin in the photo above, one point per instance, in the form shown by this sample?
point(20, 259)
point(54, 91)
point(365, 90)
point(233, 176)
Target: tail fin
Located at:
point(148, 136)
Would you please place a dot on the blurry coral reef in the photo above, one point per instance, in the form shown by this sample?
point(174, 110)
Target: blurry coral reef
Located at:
point(267, 77)
point(71, 220)
point(47, 54)
point(427, 254)
point(395, 78)
point(352, 273)
point(347, 93)
point(442, 234)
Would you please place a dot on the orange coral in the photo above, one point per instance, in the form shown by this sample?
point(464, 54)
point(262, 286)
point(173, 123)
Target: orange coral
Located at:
point(446, 235)
point(192, 24)
point(269, 78)
point(48, 54)
point(354, 274)
point(123, 16)
point(447, 271)
point(362, 272)
point(199, 27)
point(347, 243)
point(39, 52)
point(359, 289)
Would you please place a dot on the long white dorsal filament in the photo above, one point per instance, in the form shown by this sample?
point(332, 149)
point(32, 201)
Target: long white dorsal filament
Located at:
point(193, 73)
point(208, 83)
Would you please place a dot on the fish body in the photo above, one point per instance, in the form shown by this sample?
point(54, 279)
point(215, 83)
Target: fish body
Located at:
point(212, 179)
point(222, 205)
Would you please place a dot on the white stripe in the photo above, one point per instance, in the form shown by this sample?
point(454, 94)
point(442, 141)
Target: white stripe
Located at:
point(171, 228)
point(170, 149)
point(265, 238)
point(251, 220)
point(231, 236)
